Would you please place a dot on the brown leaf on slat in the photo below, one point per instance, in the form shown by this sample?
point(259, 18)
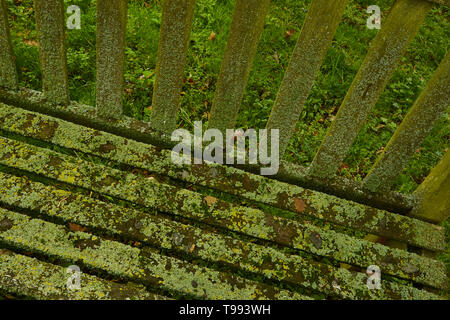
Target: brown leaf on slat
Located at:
point(300, 205)
point(76, 227)
point(212, 36)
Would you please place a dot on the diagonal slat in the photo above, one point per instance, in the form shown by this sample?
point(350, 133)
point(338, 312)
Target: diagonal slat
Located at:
point(173, 46)
point(315, 38)
point(384, 54)
point(188, 204)
point(426, 111)
point(433, 200)
point(52, 49)
point(247, 25)
point(252, 187)
point(8, 71)
point(111, 28)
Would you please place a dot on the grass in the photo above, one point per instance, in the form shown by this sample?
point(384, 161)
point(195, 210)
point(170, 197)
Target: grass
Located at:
point(281, 31)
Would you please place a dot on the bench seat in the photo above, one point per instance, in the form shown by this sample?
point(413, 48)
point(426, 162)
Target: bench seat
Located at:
point(141, 227)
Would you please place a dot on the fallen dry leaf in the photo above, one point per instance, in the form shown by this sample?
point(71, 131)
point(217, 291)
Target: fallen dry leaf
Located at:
point(380, 150)
point(300, 205)
point(343, 166)
point(76, 227)
point(210, 200)
point(212, 36)
point(32, 43)
point(289, 33)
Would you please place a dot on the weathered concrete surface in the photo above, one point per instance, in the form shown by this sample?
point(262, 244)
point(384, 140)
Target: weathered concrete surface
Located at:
point(250, 221)
point(248, 186)
point(29, 277)
point(159, 231)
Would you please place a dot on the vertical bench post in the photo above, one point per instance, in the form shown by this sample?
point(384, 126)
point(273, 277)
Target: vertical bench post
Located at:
point(382, 59)
point(8, 71)
point(172, 50)
point(111, 29)
point(247, 25)
point(52, 49)
point(426, 111)
point(317, 32)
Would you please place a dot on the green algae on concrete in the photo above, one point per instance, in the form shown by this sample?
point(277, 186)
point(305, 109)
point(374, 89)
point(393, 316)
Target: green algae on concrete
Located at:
point(385, 52)
point(144, 266)
point(170, 235)
point(111, 29)
point(174, 36)
point(426, 111)
point(318, 30)
point(8, 70)
point(141, 131)
point(31, 278)
point(433, 200)
point(253, 187)
point(246, 27)
point(50, 24)
point(188, 204)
